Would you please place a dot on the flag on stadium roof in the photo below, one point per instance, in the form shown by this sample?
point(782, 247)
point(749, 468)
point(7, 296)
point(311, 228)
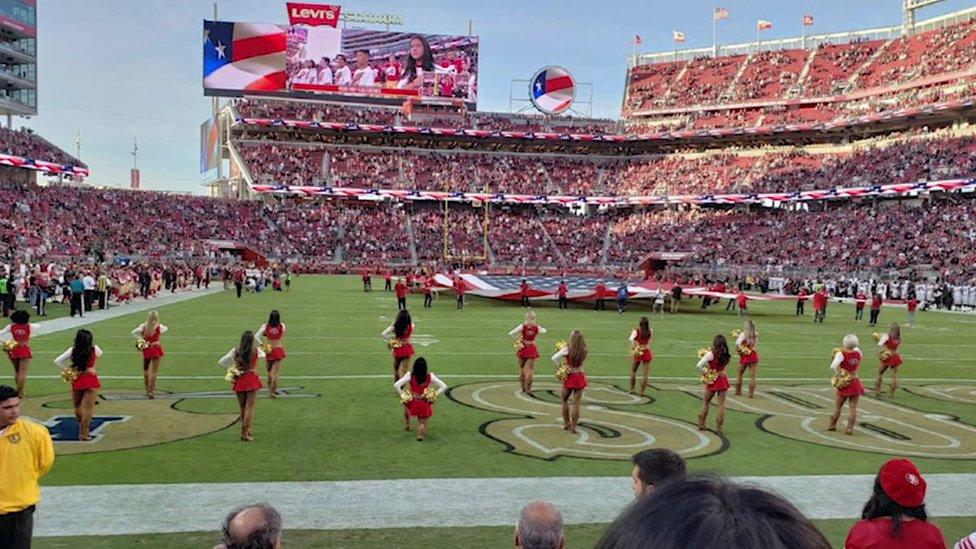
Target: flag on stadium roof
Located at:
point(763, 24)
point(243, 56)
point(721, 13)
point(638, 40)
point(808, 20)
point(678, 36)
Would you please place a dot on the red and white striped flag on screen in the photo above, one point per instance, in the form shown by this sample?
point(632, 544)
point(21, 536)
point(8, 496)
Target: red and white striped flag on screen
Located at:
point(678, 36)
point(721, 13)
point(764, 25)
point(808, 20)
point(638, 40)
point(243, 56)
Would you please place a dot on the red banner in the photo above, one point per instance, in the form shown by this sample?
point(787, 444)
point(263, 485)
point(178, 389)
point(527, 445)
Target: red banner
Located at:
point(313, 15)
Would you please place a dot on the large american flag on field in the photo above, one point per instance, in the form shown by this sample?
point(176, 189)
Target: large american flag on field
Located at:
point(243, 56)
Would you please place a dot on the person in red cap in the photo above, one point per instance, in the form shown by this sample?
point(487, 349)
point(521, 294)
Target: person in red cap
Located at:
point(894, 517)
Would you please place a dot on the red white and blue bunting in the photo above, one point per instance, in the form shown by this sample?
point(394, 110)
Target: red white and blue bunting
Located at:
point(884, 191)
point(50, 168)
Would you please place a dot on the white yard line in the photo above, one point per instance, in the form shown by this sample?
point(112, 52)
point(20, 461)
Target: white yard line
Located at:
point(71, 323)
point(160, 508)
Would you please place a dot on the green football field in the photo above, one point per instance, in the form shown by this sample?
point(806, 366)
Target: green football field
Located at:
point(341, 419)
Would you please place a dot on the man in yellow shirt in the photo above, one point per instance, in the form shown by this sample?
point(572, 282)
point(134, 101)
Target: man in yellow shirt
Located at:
point(26, 455)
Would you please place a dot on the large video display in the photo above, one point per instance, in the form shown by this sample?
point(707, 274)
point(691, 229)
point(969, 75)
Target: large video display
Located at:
point(259, 57)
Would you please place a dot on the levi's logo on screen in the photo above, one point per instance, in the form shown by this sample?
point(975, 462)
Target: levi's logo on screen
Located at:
point(313, 14)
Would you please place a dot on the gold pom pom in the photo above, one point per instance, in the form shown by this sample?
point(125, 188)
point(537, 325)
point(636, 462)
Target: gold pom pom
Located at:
point(702, 352)
point(834, 351)
point(735, 333)
point(69, 375)
point(708, 376)
point(9, 346)
point(560, 345)
point(394, 343)
point(430, 394)
point(744, 350)
point(141, 344)
point(636, 350)
point(885, 355)
point(406, 397)
point(519, 343)
point(266, 348)
point(841, 379)
point(562, 371)
point(876, 336)
point(232, 374)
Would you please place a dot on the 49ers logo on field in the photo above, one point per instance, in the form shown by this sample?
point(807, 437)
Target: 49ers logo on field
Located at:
point(127, 419)
point(313, 15)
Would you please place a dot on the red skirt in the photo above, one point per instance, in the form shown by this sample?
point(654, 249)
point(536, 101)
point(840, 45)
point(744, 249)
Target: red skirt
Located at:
point(22, 350)
point(575, 381)
point(646, 357)
point(403, 351)
point(153, 351)
point(893, 362)
point(86, 381)
point(529, 351)
point(720, 384)
point(249, 381)
point(419, 407)
point(854, 388)
point(276, 354)
point(749, 359)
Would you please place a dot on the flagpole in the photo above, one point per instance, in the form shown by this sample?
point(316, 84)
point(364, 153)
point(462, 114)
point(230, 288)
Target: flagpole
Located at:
point(714, 39)
point(803, 33)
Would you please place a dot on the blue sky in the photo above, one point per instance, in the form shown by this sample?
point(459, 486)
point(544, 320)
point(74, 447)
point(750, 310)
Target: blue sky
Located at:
point(122, 69)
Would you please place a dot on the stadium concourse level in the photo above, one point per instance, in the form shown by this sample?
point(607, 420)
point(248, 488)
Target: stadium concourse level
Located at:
point(27, 144)
point(325, 112)
point(883, 75)
point(915, 156)
point(932, 238)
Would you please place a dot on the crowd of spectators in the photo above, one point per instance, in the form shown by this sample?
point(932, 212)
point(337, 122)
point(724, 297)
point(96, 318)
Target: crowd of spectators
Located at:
point(939, 236)
point(27, 144)
point(831, 69)
point(375, 233)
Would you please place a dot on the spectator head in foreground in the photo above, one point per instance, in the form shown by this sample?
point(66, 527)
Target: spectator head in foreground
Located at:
point(540, 526)
point(255, 526)
point(895, 515)
point(654, 467)
point(710, 513)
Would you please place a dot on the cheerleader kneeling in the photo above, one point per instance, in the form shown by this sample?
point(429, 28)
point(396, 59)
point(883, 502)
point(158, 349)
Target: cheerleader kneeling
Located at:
point(418, 398)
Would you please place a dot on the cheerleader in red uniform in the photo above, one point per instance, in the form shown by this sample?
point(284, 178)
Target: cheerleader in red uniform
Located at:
point(888, 345)
point(745, 346)
point(81, 358)
point(20, 330)
point(274, 331)
point(150, 331)
point(420, 408)
point(574, 384)
point(716, 359)
point(529, 352)
point(245, 357)
point(848, 359)
point(641, 337)
point(397, 336)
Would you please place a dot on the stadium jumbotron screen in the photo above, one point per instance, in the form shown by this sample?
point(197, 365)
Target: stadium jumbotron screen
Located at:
point(261, 57)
